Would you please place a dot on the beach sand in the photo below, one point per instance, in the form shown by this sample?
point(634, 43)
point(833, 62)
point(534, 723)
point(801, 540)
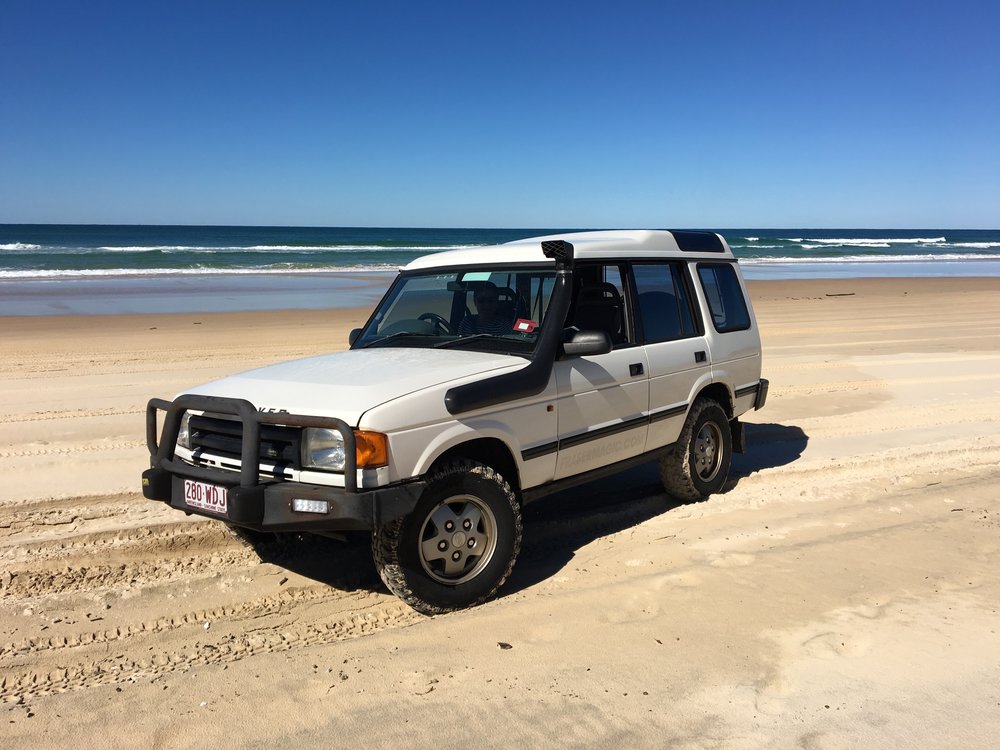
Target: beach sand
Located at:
point(841, 593)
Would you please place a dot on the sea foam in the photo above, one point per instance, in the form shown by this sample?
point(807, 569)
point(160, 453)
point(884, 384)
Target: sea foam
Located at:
point(135, 273)
point(20, 246)
point(937, 258)
point(875, 242)
point(275, 248)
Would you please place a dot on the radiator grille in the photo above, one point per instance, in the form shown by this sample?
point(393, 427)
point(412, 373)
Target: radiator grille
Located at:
point(224, 437)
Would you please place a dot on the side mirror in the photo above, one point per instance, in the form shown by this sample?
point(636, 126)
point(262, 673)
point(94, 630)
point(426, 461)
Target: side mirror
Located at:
point(588, 343)
point(353, 336)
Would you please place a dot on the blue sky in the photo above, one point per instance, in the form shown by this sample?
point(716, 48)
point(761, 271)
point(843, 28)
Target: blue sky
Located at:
point(506, 114)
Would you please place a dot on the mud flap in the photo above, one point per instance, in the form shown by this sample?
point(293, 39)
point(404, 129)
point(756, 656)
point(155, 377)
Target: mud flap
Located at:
point(739, 435)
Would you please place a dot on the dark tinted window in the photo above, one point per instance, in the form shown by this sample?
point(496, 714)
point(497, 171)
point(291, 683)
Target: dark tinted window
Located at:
point(599, 302)
point(664, 307)
point(725, 297)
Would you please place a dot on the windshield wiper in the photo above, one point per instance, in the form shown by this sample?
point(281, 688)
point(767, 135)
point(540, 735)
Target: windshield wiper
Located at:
point(396, 335)
point(466, 339)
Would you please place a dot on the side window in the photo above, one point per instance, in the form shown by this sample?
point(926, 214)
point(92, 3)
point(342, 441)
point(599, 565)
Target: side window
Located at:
point(725, 298)
point(599, 302)
point(664, 306)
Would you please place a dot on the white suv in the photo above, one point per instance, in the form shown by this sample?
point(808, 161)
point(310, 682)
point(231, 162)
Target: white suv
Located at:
point(485, 379)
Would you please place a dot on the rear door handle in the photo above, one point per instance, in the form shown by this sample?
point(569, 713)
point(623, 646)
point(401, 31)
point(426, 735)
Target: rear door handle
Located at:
point(700, 357)
point(635, 369)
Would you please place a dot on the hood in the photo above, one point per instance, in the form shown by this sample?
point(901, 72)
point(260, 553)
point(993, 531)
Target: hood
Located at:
point(347, 384)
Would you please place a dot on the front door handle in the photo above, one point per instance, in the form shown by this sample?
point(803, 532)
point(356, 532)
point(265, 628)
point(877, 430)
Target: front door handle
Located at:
point(635, 369)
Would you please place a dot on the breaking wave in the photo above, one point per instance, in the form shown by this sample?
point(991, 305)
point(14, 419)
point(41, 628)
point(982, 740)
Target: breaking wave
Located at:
point(20, 246)
point(275, 248)
point(135, 273)
point(937, 258)
point(866, 242)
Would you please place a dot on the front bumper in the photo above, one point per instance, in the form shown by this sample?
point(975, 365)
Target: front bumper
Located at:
point(265, 505)
point(268, 507)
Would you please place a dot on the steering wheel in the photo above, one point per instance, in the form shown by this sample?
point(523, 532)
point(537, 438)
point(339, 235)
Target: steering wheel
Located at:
point(438, 321)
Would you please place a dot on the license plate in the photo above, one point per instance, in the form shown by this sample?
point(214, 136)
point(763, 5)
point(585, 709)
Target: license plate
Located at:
point(205, 496)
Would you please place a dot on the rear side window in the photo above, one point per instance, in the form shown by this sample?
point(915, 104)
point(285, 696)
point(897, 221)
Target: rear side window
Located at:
point(725, 297)
point(664, 306)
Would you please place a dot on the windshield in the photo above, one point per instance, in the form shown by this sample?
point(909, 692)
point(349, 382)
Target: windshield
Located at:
point(499, 310)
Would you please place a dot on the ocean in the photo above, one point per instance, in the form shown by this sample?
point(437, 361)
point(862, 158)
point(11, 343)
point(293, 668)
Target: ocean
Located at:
point(90, 269)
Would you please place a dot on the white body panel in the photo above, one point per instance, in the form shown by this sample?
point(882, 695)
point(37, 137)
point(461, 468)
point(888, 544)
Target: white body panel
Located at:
point(675, 377)
point(598, 393)
point(519, 424)
point(347, 384)
point(734, 356)
point(643, 244)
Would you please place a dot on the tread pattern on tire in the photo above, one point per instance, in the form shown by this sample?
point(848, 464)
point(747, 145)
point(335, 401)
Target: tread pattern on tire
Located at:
point(385, 542)
point(675, 466)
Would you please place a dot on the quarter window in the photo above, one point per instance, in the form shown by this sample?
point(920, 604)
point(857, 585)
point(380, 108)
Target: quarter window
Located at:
point(664, 306)
point(725, 297)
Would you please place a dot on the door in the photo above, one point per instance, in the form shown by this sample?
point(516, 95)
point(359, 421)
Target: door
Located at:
point(602, 399)
point(675, 344)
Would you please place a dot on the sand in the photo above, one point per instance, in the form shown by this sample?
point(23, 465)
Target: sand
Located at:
point(842, 592)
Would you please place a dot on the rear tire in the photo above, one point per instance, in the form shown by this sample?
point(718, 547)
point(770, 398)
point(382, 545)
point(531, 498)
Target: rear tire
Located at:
point(459, 544)
point(698, 464)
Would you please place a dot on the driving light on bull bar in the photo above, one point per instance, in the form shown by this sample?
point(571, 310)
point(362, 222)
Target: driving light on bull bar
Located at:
point(302, 505)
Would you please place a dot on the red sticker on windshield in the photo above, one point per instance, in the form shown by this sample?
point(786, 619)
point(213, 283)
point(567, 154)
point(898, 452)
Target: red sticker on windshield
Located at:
point(522, 325)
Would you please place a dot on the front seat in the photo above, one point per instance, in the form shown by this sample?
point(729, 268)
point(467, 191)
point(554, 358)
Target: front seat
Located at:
point(599, 308)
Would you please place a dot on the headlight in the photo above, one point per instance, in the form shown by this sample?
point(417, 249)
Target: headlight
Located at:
point(184, 435)
point(323, 448)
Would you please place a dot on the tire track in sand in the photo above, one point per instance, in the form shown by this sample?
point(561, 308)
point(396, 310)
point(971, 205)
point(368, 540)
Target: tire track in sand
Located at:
point(135, 664)
point(71, 450)
point(46, 416)
point(167, 597)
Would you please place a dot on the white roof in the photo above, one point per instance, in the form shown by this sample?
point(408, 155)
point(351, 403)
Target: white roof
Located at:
point(609, 244)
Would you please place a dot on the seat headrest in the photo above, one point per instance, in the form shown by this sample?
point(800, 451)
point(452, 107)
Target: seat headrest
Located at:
point(602, 292)
point(599, 307)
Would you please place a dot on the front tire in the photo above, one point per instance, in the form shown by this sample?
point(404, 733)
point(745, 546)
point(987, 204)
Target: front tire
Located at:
point(698, 464)
point(459, 544)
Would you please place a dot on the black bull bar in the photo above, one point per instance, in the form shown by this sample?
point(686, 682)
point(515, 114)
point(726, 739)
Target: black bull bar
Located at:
point(265, 505)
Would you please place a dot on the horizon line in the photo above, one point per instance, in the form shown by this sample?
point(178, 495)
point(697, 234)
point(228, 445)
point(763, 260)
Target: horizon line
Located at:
point(507, 228)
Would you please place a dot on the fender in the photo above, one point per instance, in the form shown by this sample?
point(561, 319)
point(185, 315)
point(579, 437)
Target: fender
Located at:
point(460, 433)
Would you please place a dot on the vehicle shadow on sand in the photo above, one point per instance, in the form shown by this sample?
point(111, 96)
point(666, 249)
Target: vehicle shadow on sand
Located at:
point(557, 526)
point(554, 527)
point(343, 563)
point(768, 447)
